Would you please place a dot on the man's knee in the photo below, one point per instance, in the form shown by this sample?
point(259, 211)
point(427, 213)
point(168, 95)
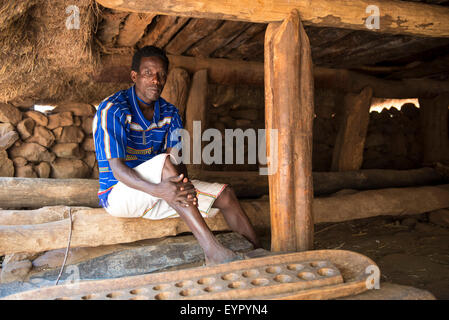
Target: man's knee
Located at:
point(169, 169)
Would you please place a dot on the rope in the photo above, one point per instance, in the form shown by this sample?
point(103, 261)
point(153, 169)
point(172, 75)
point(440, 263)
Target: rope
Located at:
point(67, 249)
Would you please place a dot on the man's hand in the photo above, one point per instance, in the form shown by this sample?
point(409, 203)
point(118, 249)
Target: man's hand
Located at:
point(177, 190)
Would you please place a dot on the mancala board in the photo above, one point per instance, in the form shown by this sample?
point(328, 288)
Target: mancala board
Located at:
point(319, 274)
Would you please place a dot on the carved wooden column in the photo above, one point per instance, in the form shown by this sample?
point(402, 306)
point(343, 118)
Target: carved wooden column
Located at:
point(289, 109)
point(196, 111)
point(353, 126)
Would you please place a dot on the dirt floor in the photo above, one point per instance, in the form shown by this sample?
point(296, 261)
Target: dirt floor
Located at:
point(408, 250)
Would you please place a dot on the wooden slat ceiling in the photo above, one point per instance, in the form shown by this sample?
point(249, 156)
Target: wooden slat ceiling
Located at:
point(391, 56)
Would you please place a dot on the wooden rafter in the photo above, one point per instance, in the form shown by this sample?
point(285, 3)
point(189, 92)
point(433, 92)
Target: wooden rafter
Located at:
point(396, 17)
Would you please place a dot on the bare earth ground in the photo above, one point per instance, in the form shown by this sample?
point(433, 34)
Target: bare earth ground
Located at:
point(416, 255)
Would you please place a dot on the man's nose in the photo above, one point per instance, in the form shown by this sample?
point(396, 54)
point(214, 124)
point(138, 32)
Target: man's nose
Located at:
point(155, 79)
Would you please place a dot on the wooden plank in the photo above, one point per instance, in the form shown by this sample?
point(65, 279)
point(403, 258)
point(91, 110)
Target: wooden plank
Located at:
point(218, 39)
point(115, 68)
point(289, 110)
point(396, 17)
point(353, 125)
point(164, 29)
point(134, 28)
point(194, 31)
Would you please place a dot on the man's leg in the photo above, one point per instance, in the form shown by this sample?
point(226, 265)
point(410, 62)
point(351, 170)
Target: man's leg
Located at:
point(235, 216)
point(214, 251)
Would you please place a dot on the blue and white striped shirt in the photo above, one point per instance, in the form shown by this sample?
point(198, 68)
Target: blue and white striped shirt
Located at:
point(120, 130)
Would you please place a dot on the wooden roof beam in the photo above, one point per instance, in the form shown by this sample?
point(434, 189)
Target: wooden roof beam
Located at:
point(396, 17)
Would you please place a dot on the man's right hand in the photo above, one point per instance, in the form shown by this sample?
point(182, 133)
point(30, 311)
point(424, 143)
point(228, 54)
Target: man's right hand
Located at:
point(177, 190)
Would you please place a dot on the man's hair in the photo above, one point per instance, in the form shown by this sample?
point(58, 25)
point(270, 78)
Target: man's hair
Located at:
point(148, 51)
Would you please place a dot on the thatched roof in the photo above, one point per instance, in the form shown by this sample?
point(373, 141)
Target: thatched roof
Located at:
point(44, 61)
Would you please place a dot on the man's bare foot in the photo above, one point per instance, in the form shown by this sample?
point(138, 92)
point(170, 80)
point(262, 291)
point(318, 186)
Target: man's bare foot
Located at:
point(222, 256)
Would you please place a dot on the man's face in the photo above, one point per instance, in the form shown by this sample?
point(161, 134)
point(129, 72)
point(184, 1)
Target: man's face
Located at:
point(150, 79)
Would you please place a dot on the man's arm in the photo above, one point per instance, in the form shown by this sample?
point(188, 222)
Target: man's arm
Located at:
point(181, 167)
point(170, 189)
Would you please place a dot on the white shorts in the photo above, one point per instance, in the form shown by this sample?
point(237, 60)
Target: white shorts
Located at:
point(127, 202)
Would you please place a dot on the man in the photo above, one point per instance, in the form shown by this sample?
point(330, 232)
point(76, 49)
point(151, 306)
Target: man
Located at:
point(133, 140)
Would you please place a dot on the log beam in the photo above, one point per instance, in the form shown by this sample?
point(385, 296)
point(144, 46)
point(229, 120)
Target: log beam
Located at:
point(94, 227)
point(434, 129)
point(395, 17)
point(176, 89)
point(38, 193)
point(350, 141)
point(289, 110)
point(116, 68)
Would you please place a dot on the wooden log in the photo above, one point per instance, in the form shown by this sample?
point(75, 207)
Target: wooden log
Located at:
point(95, 227)
point(134, 28)
point(248, 34)
point(109, 28)
point(177, 88)
point(434, 128)
point(218, 39)
point(196, 110)
point(164, 29)
point(249, 48)
point(289, 110)
point(116, 68)
point(396, 17)
point(350, 141)
point(38, 193)
point(194, 31)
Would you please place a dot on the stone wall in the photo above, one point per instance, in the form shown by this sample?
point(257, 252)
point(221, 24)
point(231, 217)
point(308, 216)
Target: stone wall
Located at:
point(54, 145)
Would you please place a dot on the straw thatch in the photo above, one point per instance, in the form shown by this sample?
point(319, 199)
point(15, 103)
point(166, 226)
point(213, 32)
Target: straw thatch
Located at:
point(41, 59)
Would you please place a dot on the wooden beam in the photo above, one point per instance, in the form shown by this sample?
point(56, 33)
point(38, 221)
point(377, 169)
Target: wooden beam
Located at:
point(353, 125)
point(194, 31)
point(38, 193)
point(164, 29)
point(196, 110)
point(289, 110)
point(134, 28)
point(218, 39)
point(116, 68)
point(95, 227)
point(176, 89)
point(434, 129)
point(396, 17)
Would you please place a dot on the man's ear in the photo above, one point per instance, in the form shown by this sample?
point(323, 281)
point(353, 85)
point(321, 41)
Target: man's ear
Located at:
point(133, 76)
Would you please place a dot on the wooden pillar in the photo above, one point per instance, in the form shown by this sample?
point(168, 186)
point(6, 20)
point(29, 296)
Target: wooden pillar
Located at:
point(176, 89)
point(196, 111)
point(434, 128)
point(353, 126)
point(289, 109)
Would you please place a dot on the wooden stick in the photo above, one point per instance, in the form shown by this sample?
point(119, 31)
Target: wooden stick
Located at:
point(396, 17)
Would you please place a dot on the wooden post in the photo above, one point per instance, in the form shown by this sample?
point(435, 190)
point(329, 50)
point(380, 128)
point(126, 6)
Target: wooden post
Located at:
point(196, 111)
point(434, 128)
point(289, 109)
point(350, 141)
point(177, 88)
